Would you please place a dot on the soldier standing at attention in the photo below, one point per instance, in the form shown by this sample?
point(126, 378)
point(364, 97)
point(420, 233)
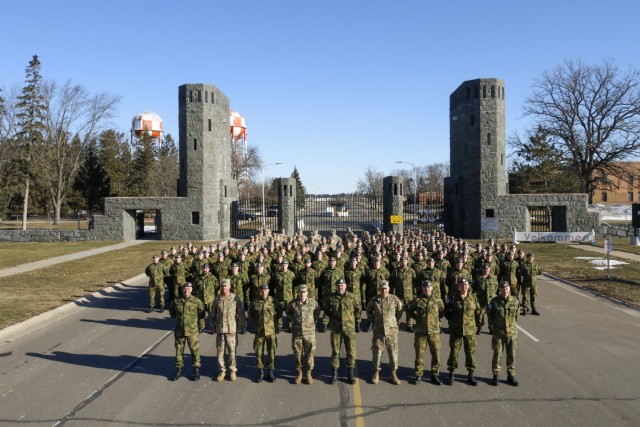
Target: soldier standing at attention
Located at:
point(461, 311)
point(239, 284)
point(227, 317)
point(265, 311)
point(342, 307)
point(527, 273)
point(426, 309)
point(384, 311)
point(155, 273)
point(283, 284)
point(186, 311)
point(403, 280)
point(303, 312)
point(178, 274)
point(307, 276)
point(485, 286)
point(326, 281)
point(503, 314)
point(206, 288)
point(509, 272)
point(355, 284)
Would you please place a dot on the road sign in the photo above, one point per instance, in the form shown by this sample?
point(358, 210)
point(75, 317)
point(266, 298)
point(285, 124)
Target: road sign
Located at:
point(608, 245)
point(395, 219)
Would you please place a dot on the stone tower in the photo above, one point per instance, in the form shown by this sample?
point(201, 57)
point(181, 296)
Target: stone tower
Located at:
point(205, 160)
point(477, 156)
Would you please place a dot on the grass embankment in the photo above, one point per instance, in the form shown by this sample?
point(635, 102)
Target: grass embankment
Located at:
point(12, 254)
point(29, 294)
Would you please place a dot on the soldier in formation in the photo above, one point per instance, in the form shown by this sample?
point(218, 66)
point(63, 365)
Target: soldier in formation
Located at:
point(265, 312)
point(227, 318)
point(304, 312)
point(185, 311)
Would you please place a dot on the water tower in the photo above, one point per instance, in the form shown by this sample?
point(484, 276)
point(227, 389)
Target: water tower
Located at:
point(147, 125)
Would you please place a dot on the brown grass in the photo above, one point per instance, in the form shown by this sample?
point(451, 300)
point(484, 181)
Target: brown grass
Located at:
point(45, 225)
point(19, 253)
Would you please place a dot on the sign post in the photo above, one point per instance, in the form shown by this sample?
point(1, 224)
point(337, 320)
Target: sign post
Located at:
point(608, 247)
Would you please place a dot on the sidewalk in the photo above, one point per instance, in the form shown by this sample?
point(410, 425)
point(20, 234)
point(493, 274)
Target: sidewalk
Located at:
point(619, 254)
point(24, 268)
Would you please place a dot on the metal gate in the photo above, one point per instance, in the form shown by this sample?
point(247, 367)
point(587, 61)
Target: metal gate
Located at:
point(249, 216)
point(339, 212)
point(540, 218)
point(428, 216)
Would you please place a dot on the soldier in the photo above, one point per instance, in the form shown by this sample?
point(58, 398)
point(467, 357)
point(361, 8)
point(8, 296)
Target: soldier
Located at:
point(219, 268)
point(503, 314)
point(227, 317)
point(239, 285)
point(206, 288)
point(485, 286)
point(434, 275)
point(178, 274)
point(265, 312)
point(155, 273)
point(403, 282)
point(528, 272)
point(283, 286)
point(372, 279)
point(303, 312)
point(259, 278)
point(186, 311)
point(461, 311)
point(426, 309)
point(307, 276)
point(509, 271)
point(384, 312)
point(456, 273)
point(354, 278)
point(342, 307)
point(327, 280)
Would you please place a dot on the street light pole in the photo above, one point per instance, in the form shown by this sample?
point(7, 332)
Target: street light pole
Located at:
point(415, 189)
point(263, 211)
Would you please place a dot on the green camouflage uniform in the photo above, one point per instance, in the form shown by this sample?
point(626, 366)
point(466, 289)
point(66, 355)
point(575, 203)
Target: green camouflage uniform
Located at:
point(528, 272)
point(384, 314)
point(186, 313)
point(227, 316)
point(265, 313)
point(485, 289)
point(240, 287)
point(178, 274)
point(503, 315)
point(403, 284)
point(342, 310)
point(205, 289)
point(304, 316)
point(155, 272)
point(326, 283)
point(509, 272)
point(372, 279)
point(283, 285)
point(308, 276)
point(254, 285)
point(461, 313)
point(355, 285)
point(452, 281)
point(220, 269)
point(436, 277)
point(426, 312)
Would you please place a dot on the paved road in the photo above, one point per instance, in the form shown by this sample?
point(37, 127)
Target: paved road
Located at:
point(109, 363)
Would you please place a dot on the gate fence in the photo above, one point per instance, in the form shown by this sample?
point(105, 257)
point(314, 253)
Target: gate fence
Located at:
point(540, 218)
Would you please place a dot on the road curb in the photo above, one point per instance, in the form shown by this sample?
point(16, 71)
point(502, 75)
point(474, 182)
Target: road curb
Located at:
point(26, 327)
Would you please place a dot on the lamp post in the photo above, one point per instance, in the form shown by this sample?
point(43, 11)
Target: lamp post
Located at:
point(263, 211)
point(415, 189)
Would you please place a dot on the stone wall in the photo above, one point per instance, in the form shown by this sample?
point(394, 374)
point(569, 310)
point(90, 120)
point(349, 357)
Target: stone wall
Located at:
point(46, 235)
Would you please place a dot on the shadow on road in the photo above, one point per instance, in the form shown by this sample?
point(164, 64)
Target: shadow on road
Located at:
point(158, 323)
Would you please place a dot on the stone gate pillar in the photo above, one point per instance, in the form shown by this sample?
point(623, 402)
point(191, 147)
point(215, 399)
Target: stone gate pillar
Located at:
point(287, 205)
point(392, 202)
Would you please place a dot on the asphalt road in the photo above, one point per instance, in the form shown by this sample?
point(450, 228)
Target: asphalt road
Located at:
point(109, 363)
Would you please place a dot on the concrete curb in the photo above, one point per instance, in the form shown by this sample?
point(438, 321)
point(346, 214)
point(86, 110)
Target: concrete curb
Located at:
point(29, 326)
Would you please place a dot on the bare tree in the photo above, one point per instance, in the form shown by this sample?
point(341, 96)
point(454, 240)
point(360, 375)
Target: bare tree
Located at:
point(370, 183)
point(591, 114)
point(74, 116)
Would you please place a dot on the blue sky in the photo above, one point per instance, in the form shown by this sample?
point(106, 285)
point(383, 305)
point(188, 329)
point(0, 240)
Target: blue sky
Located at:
point(333, 87)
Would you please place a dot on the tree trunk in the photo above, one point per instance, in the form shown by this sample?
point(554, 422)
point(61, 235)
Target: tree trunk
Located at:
point(25, 204)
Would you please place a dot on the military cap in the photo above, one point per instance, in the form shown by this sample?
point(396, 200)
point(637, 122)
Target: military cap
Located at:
point(206, 265)
point(220, 254)
point(486, 265)
point(341, 282)
point(529, 254)
point(155, 256)
point(431, 259)
point(187, 285)
point(504, 284)
point(225, 282)
point(173, 248)
point(462, 280)
point(332, 258)
point(459, 260)
point(427, 284)
point(303, 288)
point(284, 262)
point(163, 252)
point(383, 284)
point(264, 287)
point(307, 259)
point(178, 256)
point(259, 264)
point(235, 264)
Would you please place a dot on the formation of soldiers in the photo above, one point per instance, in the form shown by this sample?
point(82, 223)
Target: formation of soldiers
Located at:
point(305, 285)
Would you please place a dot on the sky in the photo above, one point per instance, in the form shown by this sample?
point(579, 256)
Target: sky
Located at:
point(331, 87)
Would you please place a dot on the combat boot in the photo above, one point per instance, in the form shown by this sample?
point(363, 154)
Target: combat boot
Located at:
point(178, 374)
point(357, 326)
point(449, 380)
point(418, 379)
point(232, 376)
point(334, 376)
point(196, 374)
point(394, 378)
point(435, 378)
point(471, 379)
point(512, 380)
point(409, 328)
point(535, 312)
point(375, 377)
point(350, 376)
point(321, 328)
point(298, 379)
point(479, 330)
point(162, 309)
point(260, 377)
point(495, 381)
point(309, 377)
point(220, 377)
point(150, 310)
point(270, 377)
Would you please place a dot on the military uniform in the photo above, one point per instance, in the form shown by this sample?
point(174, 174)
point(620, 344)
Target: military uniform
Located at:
point(178, 273)
point(265, 313)
point(155, 272)
point(254, 284)
point(485, 288)
point(426, 312)
point(461, 313)
point(283, 286)
point(308, 276)
point(437, 278)
point(384, 313)
point(205, 288)
point(355, 285)
point(303, 317)
point(527, 273)
point(327, 280)
point(227, 317)
point(342, 312)
point(240, 287)
point(186, 312)
point(503, 315)
point(403, 283)
point(509, 273)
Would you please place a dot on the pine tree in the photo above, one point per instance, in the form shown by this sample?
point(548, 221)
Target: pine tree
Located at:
point(143, 167)
point(114, 153)
point(300, 190)
point(167, 168)
point(92, 181)
point(31, 115)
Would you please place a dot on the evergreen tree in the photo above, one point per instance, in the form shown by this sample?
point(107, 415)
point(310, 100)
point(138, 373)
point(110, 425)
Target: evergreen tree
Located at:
point(31, 114)
point(167, 169)
point(300, 190)
point(92, 181)
point(142, 180)
point(114, 153)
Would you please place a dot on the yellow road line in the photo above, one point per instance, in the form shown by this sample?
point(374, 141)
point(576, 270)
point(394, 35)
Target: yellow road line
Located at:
point(357, 399)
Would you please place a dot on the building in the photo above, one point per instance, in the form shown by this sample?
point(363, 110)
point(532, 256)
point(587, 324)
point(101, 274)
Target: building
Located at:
point(620, 189)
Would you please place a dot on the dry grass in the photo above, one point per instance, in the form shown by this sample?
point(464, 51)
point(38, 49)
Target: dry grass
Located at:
point(45, 225)
point(20, 253)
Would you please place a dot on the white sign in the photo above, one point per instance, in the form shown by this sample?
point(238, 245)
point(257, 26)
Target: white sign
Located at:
point(542, 236)
point(608, 245)
point(489, 224)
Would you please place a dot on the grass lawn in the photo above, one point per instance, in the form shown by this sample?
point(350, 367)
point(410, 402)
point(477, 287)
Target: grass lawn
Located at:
point(12, 254)
point(45, 225)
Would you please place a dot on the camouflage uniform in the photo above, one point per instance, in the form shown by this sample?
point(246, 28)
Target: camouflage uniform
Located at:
point(453, 276)
point(308, 276)
point(372, 279)
point(240, 287)
point(254, 285)
point(461, 313)
point(178, 273)
point(303, 317)
point(186, 313)
point(528, 272)
point(326, 282)
point(384, 314)
point(205, 289)
point(509, 273)
point(283, 286)
point(435, 276)
point(503, 315)
point(355, 285)
point(155, 272)
point(485, 288)
point(426, 312)
point(227, 317)
point(403, 284)
point(342, 310)
point(265, 313)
